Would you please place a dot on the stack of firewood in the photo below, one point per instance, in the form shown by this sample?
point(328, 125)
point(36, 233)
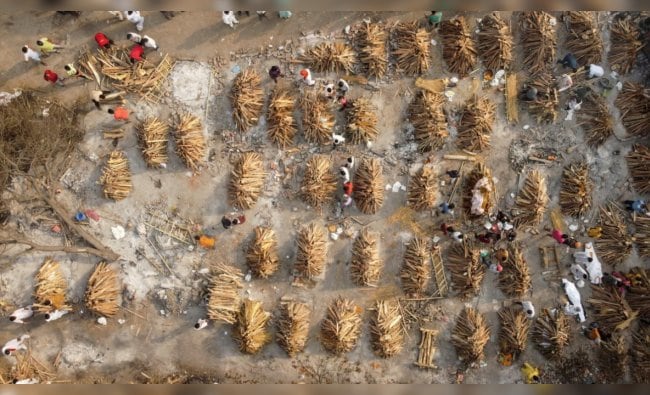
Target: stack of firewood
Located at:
point(335, 57)
point(422, 189)
point(247, 99)
point(551, 333)
point(428, 118)
point(411, 48)
point(531, 201)
point(544, 107)
point(362, 121)
point(262, 255)
point(470, 335)
point(643, 235)
point(224, 301)
point(637, 163)
point(640, 352)
point(479, 188)
point(613, 352)
point(458, 48)
point(190, 142)
point(246, 180)
point(282, 126)
point(515, 280)
point(317, 118)
point(495, 42)
point(610, 309)
point(152, 134)
point(386, 329)
point(538, 40)
point(634, 103)
point(318, 183)
point(116, 176)
point(639, 295)
point(626, 44)
point(365, 264)
point(595, 119)
point(583, 39)
point(102, 291)
point(341, 327)
point(293, 327)
point(51, 287)
point(475, 125)
point(251, 333)
point(369, 188)
point(575, 190)
point(312, 250)
point(416, 270)
point(427, 348)
point(467, 270)
point(371, 42)
point(615, 243)
point(513, 333)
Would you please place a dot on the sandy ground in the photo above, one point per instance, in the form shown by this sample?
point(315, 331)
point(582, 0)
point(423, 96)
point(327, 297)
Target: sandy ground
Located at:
point(153, 334)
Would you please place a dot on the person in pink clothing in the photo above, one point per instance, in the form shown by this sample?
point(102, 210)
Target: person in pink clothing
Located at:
point(558, 236)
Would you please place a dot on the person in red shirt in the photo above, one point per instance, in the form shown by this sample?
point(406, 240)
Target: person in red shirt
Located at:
point(137, 53)
point(119, 113)
point(103, 41)
point(52, 77)
point(348, 188)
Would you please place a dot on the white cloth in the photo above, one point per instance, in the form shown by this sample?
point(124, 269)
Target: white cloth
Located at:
point(15, 345)
point(229, 18)
point(594, 268)
point(328, 90)
point(574, 297)
point(338, 139)
point(31, 55)
point(21, 314)
point(596, 71)
point(150, 43)
point(55, 315)
point(27, 381)
point(202, 323)
point(135, 18)
point(135, 37)
point(528, 306)
point(457, 236)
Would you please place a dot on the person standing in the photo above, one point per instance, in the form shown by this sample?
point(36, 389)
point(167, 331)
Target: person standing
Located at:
point(275, 73)
point(46, 46)
point(30, 54)
point(52, 77)
point(135, 18)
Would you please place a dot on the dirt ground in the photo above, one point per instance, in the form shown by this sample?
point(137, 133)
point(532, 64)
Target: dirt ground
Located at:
point(153, 335)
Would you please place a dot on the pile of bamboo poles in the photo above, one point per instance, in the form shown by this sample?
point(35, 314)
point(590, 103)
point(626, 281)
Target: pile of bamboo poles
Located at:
point(365, 264)
point(373, 56)
point(116, 177)
point(637, 164)
point(427, 348)
point(640, 353)
point(317, 118)
point(634, 103)
point(312, 250)
point(613, 353)
point(282, 125)
point(386, 329)
point(247, 99)
point(458, 48)
point(470, 335)
point(428, 119)
point(639, 295)
point(293, 327)
point(479, 182)
point(595, 119)
point(224, 301)
point(583, 39)
point(551, 333)
point(341, 327)
point(318, 183)
point(544, 107)
point(251, 333)
point(531, 201)
point(416, 270)
point(335, 57)
point(495, 43)
point(515, 280)
point(475, 125)
point(362, 121)
point(190, 142)
point(51, 287)
point(411, 48)
point(467, 270)
point(246, 180)
point(615, 244)
point(422, 190)
point(102, 291)
point(626, 44)
point(369, 188)
point(610, 309)
point(575, 190)
point(513, 333)
point(538, 40)
point(262, 255)
point(152, 134)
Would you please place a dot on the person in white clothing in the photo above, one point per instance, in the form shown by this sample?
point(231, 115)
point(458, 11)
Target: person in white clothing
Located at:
point(30, 54)
point(21, 314)
point(565, 82)
point(595, 71)
point(343, 87)
point(337, 139)
point(345, 174)
point(26, 381)
point(328, 91)
point(14, 345)
point(149, 42)
point(229, 18)
point(135, 18)
point(528, 307)
point(55, 315)
point(306, 76)
point(200, 324)
point(135, 37)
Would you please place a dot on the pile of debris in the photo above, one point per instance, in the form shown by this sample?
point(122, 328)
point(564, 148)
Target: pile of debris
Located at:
point(318, 183)
point(411, 48)
point(312, 250)
point(458, 48)
point(365, 264)
point(495, 43)
point(282, 125)
point(335, 57)
point(531, 201)
point(470, 335)
point(293, 327)
point(189, 139)
point(416, 270)
point(369, 188)
point(475, 125)
point(634, 103)
point(575, 190)
point(422, 189)
point(152, 135)
point(362, 121)
point(116, 177)
point(246, 180)
point(341, 327)
point(317, 118)
point(538, 40)
point(262, 255)
point(247, 99)
point(583, 39)
point(626, 44)
point(428, 118)
point(373, 56)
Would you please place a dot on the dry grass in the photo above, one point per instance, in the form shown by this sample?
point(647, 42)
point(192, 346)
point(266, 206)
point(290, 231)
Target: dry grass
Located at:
point(422, 191)
point(262, 255)
point(341, 327)
point(470, 335)
point(102, 291)
point(369, 186)
point(475, 125)
point(365, 264)
point(282, 125)
point(428, 118)
point(575, 190)
point(386, 330)
point(247, 99)
point(458, 49)
point(411, 48)
point(246, 180)
point(362, 121)
point(335, 57)
point(251, 332)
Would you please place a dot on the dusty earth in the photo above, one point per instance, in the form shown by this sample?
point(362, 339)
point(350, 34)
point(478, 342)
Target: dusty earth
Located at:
point(153, 336)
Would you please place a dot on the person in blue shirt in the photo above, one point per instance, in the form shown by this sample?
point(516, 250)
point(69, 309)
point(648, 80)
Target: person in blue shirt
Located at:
point(569, 60)
point(446, 208)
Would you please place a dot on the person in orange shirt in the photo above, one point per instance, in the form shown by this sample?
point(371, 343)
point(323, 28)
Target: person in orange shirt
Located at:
point(205, 241)
point(119, 113)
